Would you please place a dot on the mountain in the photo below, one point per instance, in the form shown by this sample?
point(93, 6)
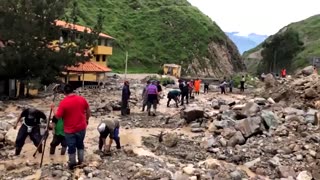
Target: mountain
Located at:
point(245, 43)
point(308, 30)
point(163, 31)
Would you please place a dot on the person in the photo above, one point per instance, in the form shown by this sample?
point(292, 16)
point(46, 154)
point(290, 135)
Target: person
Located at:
point(75, 112)
point(315, 71)
point(145, 96)
point(173, 94)
point(184, 93)
point(152, 92)
point(159, 88)
point(197, 86)
point(230, 85)
point(223, 87)
point(263, 76)
point(125, 98)
point(191, 86)
point(30, 127)
point(109, 128)
point(58, 136)
point(283, 73)
point(243, 80)
point(206, 87)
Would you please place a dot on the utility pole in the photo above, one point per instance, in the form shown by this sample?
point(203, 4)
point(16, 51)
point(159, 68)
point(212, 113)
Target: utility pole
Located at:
point(126, 68)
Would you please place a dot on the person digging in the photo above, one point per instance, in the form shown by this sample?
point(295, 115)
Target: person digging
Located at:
point(108, 128)
point(173, 94)
point(30, 127)
point(58, 136)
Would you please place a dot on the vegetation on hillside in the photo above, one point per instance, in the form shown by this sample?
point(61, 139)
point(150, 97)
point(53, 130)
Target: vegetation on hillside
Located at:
point(153, 32)
point(279, 52)
point(309, 34)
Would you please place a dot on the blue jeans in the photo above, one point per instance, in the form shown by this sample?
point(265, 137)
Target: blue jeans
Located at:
point(75, 141)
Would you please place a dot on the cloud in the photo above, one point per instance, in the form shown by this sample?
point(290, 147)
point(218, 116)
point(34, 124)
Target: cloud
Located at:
point(257, 16)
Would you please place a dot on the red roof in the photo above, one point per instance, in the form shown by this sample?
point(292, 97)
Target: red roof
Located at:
point(89, 67)
point(78, 28)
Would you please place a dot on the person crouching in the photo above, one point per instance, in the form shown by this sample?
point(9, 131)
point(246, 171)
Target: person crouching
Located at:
point(173, 94)
point(109, 128)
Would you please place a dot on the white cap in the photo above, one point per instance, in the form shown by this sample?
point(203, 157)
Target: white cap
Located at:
point(101, 127)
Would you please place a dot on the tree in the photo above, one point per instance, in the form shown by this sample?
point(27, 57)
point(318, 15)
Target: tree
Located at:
point(279, 51)
point(28, 28)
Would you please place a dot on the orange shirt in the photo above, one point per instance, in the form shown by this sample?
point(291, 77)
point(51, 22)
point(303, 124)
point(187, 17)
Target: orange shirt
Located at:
point(197, 85)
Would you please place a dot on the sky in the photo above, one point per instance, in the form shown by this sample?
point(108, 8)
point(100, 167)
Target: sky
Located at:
point(265, 17)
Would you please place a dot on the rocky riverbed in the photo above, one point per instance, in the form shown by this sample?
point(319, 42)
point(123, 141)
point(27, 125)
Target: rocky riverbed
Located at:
point(257, 135)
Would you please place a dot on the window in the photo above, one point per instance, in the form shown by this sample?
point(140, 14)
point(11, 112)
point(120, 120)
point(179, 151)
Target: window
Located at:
point(97, 58)
point(104, 58)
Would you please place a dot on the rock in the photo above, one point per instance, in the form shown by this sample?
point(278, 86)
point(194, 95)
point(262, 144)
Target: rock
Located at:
point(5, 126)
point(57, 173)
point(269, 118)
point(249, 126)
point(192, 113)
point(11, 136)
point(209, 142)
point(170, 139)
point(269, 81)
point(195, 125)
point(286, 171)
point(275, 161)
point(188, 170)
point(299, 157)
point(228, 132)
point(238, 107)
point(310, 93)
point(87, 170)
point(10, 166)
point(197, 130)
point(128, 150)
point(260, 101)
point(307, 71)
point(237, 138)
point(212, 127)
point(293, 111)
point(180, 176)
point(1, 137)
point(252, 163)
point(224, 108)
point(224, 123)
point(304, 175)
point(251, 109)
point(317, 119)
point(212, 164)
point(271, 101)
point(236, 175)
point(313, 153)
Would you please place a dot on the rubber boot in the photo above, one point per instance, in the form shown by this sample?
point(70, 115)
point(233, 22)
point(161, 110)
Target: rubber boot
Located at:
point(18, 151)
point(52, 149)
point(72, 161)
point(80, 156)
point(63, 151)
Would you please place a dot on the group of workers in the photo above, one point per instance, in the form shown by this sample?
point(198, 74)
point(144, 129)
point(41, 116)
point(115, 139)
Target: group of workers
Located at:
point(69, 125)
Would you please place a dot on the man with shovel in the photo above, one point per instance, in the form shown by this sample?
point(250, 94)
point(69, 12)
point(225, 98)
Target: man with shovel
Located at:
point(30, 127)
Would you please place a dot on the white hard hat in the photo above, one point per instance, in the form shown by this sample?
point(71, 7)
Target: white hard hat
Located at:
point(101, 127)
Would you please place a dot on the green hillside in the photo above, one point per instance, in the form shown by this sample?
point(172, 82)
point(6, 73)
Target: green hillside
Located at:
point(155, 32)
point(308, 30)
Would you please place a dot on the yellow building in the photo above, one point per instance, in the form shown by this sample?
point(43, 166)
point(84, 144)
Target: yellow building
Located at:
point(172, 70)
point(95, 69)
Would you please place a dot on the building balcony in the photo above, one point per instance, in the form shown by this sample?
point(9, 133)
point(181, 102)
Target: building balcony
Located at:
point(102, 50)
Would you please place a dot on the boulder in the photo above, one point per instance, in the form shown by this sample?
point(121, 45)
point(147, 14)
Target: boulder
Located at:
point(271, 101)
point(228, 115)
point(307, 71)
point(228, 132)
point(260, 101)
point(170, 139)
point(209, 142)
point(238, 107)
point(286, 171)
point(251, 109)
point(269, 81)
point(293, 111)
point(5, 126)
point(249, 126)
point(310, 93)
point(224, 108)
point(188, 170)
point(269, 118)
point(224, 123)
point(11, 136)
point(192, 113)
point(237, 138)
point(304, 175)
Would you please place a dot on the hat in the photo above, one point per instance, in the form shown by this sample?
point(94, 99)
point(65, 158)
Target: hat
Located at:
point(101, 127)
